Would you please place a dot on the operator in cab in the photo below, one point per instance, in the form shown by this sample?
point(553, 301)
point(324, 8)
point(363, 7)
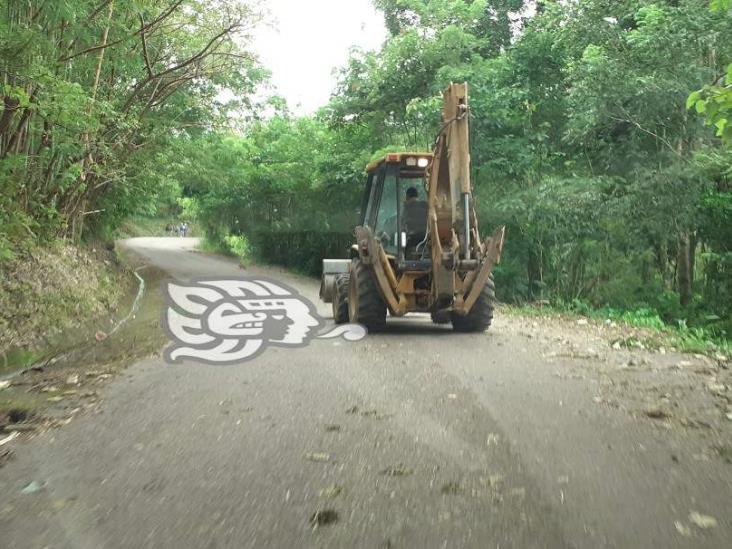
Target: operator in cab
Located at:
point(414, 219)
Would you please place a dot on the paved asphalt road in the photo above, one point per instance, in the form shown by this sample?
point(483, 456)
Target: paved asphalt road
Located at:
point(415, 438)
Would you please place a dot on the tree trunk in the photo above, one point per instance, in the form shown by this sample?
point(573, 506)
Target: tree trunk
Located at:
point(534, 273)
point(16, 143)
point(77, 213)
point(662, 261)
point(10, 105)
point(683, 270)
point(693, 241)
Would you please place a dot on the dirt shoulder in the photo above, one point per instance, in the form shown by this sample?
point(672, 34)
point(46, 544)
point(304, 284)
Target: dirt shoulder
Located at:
point(77, 323)
point(45, 292)
point(638, 371)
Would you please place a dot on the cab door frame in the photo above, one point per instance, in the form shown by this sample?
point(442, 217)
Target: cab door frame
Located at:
point(376, 196)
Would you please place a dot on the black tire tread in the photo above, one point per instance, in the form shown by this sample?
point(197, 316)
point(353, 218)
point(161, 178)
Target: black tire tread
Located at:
point(340, 298)
point(371, 306)
point(481, 314)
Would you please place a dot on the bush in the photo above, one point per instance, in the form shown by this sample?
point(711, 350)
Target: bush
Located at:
point(302, 251)
point(237, 245)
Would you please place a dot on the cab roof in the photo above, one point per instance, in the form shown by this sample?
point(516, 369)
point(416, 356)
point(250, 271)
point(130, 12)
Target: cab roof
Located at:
point(398, 158)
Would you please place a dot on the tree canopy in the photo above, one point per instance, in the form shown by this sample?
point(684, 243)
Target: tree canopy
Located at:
point(94, 90)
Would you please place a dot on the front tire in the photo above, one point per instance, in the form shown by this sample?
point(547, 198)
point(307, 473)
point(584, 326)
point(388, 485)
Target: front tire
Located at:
point(481, 314)
point(365, 304)
point(340, 299)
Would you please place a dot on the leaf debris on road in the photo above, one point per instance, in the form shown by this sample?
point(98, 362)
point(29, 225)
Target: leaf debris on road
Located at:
point(373, 413)
point(317, 456)
point(399, 470)
point(323, 517)
point(331, 491)
point(656, 412)
point(451, 488)
point(682, 529)
point(32, 487)
point(702, 521)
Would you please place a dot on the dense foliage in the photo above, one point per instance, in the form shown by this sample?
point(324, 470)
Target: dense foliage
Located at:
point(94, 92)
point(600, 137)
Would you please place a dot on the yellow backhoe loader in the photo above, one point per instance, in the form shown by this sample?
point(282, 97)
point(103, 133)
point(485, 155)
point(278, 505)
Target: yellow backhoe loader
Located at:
point(417, 247)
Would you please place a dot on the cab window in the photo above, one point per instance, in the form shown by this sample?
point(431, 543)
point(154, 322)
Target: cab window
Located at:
point(386, 217)
point(368, 207)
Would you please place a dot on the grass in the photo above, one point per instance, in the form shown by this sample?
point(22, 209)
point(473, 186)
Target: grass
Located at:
point(698, 340)
point(213, 246)
point(234, 246)
point(54, 288)
point(17, 406)
point(18, 359)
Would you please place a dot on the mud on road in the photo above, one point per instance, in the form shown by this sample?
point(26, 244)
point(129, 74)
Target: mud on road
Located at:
point(543, 432)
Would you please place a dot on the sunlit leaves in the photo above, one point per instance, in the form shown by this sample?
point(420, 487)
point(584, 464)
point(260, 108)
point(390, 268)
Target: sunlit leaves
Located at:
point(715, 103)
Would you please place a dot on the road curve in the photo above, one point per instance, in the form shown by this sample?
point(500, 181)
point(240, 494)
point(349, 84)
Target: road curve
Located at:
point(418, 437)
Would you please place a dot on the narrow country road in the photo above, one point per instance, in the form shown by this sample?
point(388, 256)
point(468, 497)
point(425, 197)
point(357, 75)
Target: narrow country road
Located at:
point(416, 438)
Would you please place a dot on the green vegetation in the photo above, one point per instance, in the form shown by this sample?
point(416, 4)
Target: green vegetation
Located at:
point(142, 225)
point(600, 138)
point(714, 101)
point(95, 95)
point(56, 288)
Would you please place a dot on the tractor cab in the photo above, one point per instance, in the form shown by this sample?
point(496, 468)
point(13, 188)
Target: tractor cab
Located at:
point(418, 246)
point(395, 208)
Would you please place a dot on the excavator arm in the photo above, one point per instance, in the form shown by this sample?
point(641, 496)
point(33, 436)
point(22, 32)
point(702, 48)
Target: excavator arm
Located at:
point(461, 262)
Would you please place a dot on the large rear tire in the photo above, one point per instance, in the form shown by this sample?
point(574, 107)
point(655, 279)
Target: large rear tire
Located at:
point(340, 299)
point(365, 304)
point(481, 314)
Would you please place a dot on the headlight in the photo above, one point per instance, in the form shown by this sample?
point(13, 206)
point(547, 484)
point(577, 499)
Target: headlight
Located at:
point(423, 162)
